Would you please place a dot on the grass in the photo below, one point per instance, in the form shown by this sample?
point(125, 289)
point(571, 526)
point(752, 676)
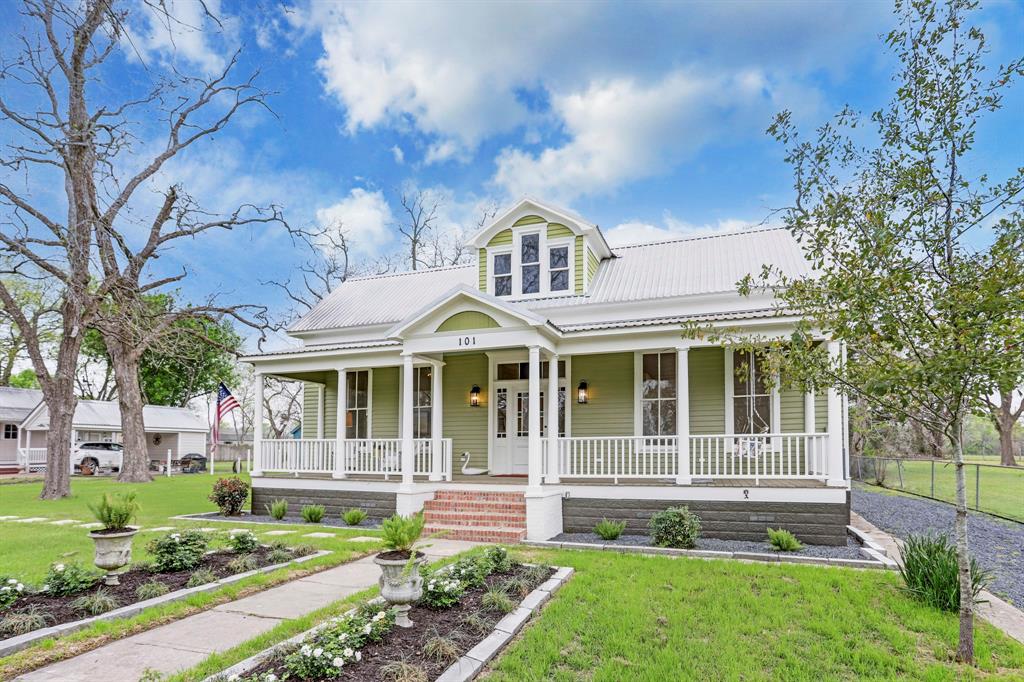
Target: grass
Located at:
point(1000, 492)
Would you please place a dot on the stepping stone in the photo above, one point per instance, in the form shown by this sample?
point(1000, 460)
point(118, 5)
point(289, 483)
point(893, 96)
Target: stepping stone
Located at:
point(279, 532)
point(318, 535)
point(7, 518)
point(363, 538)
point(91, 525)
point(208, 530)
point(160, 529)
point(236, 531)
point(34, 519)
point(63, 522)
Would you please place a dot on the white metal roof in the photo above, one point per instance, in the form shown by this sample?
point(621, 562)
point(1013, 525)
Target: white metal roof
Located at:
point(679, 268)
point(98, 415)
point(16, 403)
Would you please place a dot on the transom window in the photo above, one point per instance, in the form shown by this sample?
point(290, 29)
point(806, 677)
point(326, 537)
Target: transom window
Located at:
point(511, 371)
point(357, 404)
point(503, 274)
point(421, 402)
point(529, 260)
point(558, 267)
point(751, 395)
point(658, 394)
point(10, 431)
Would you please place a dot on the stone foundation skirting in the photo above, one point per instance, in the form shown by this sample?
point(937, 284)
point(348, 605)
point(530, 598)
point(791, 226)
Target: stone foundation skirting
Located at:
point(377, 505)
point(815, 523)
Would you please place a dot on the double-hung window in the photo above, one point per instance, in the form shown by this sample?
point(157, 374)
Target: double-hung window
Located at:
point(357, 404)
point(658, 394)
point(503, 274)
point(751, 395)
point(10, 431)
point(421, 402)
point(558, 267)
point(529, 263)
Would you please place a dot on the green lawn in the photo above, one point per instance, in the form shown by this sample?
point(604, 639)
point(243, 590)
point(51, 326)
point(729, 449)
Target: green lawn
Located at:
point(1001, 489)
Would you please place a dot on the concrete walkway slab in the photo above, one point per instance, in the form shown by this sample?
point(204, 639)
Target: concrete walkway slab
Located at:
point(279, 532)
point(302, 596)
point(319, 535)
point(208, 631)
point(63, 522)
point(32, 519)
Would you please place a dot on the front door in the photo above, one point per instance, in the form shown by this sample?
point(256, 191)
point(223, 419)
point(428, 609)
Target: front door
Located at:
point(511, 427)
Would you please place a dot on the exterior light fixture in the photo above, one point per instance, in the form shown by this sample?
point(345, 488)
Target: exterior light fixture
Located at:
point(582, 392)
point(474, 396)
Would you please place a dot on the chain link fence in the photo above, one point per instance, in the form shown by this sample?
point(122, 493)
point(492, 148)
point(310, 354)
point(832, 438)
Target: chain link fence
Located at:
point(991, 488)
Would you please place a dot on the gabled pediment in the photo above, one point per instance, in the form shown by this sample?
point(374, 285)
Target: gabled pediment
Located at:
point(463, 309)
point(531, 211)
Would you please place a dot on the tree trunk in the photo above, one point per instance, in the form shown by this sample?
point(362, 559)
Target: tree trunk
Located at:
point(965, 647)
point(135, 463)
point(1004, 420)
point(59, 394)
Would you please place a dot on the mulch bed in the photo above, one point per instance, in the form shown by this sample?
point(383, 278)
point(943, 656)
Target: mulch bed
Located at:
point(406, 644)
point(61, 611)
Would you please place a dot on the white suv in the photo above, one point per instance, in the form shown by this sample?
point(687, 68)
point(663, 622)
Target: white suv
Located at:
point(89, 457)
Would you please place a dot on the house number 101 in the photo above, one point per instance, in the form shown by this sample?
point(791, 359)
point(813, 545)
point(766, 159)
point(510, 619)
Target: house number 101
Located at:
point(467, 340)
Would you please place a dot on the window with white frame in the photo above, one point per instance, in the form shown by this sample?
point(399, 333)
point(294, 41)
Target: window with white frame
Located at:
point(658, 394)
point(529, 263)
point(421, 402)
point(357, 404)
point(558, 267)
point(503, 274)
point(751, 395)
point(10, 431)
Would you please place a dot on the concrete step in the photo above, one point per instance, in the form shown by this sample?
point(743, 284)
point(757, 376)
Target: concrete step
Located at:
point(476, 519)
point(476, 533)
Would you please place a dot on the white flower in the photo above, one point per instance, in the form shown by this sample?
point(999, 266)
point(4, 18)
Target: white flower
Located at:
point(359, 655)
point(378, 616)
point(342, 637)
point(318, 652)
point(59, 568)
point(44, 588)
point(338, 661)
point(306, 650)
point(19, 587)
point(12, 581)
point(347, 653)
point(271, 677)
point(5, 588)
point(367, 628)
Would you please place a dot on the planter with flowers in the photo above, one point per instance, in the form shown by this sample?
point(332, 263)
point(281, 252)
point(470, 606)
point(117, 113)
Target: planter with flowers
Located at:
point(114, 541)
point(400, 582)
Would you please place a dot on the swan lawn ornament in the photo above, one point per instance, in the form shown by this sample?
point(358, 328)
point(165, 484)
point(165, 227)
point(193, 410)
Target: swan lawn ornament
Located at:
point(468, 470)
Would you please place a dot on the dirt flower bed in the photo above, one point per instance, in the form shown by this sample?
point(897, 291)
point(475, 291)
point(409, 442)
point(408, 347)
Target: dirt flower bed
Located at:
point(460, 607)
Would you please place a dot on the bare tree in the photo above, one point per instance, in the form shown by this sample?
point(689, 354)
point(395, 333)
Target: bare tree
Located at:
point(326, 264)
point(420, 208)
point(40, 311)
point(282, 405)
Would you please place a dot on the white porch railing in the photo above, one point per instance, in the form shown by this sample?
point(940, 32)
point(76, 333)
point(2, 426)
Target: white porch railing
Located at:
point(297, 456)
point(617, 457)
point(31, 458)
point(368, 456)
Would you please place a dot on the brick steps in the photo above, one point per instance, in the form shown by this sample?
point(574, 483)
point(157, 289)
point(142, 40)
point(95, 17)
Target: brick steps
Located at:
point(478, 516)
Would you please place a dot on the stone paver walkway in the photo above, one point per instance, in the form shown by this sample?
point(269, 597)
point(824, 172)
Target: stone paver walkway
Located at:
point(996, 611)
point(184, 643)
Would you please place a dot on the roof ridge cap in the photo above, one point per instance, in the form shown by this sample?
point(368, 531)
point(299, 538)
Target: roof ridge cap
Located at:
point(385, 275)
point(694, 238)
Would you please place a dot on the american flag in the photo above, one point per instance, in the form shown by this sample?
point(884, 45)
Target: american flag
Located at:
point(225, 403)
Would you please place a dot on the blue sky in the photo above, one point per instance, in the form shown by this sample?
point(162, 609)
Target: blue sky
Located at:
point(648, 119)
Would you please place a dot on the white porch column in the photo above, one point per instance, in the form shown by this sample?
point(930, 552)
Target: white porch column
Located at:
point(552, 434)
point(683, 416)
point(408, 445)
point(436, 422)
point(809, 416)
point(321, 407)
point(533, 424)
point(257, 427)
point(340, 430)
point(834, 450)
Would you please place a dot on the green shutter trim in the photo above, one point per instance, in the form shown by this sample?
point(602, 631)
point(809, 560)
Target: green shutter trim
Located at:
point(483, 270)
point(707, 390)
point(528, 220)
point(557, 231)
point(821, 412)
point(385, 409)
point(609, 411)
point(503, 238)
point(465, 425)
point(579, 265)
point(468, 319)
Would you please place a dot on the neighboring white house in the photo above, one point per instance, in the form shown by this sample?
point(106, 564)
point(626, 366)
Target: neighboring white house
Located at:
point(167, 428)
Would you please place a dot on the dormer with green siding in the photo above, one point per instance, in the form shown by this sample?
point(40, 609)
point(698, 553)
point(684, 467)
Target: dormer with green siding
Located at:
point(535, 250)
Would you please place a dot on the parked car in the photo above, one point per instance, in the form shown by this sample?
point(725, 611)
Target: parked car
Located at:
point(89, 457)
point(193, 462)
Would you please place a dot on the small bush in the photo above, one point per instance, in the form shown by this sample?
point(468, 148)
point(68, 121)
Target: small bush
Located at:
point(517, 586)
point(338, 643)
point(536, 574)
point(353, 517)
point(242, 563)
point(675, 527)
point(279, 556)
point(400, 671)
point(496, 560)
point(495, 599)
point(400, 533)
point(115, 512)
point(441, 590)
point(277, 509)
point(10, 590)
point(243, 543)
point(151, 589)
point(783, 541)
point(303, 550)
point(96, 603)
point(313, 513)
point(471, 571)
point(609, 530)
point(63, 580)
point(230, 495)
point(478, 623)
point(929, 569)
point(201, 577)
point(178, 551)
point(441, 649)
point(32, 618)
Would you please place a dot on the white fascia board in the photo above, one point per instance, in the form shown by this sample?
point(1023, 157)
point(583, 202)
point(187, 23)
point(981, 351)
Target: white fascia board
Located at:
point(370, 332)
point(474, 296)
point(331, 361)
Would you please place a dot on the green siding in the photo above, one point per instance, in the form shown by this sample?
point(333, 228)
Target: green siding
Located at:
point(528, 220)
point(558, 231)
point(707, 390)
point(791, 408)
point(483, 270)
point(503, 238)
point(469, 319)
point(609, 411)
point(579, 265)
point(821, 412)
point(465, 425)
point(592, 264)
point(330, 404)
point(385, 408)
point(310, 407)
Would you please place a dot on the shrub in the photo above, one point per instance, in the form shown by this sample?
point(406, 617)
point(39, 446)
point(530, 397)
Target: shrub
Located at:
point(32, 618)
point(279, 556)
point(536, 573)
point(230, 495)
point(151, 589)
point(277, 509)
point(517, 586)
point(338, 643)
point(478, 623)
point(178, 551)
point(441, 649)
point(313, 513)
point(115, 512)
point(496, 560)
point(243, 543)
point(96, 603)
point(783, 541)
point(495, 599)
point(929, 569)
point(675, 527)
point(400, 533)
point(303, 550)
point(201, 577)
point(243, 563)
point(609, 530)
point(353, 517)
point(63, 580)
point(401, 671)
point(441, 590)
point(10, 590)
point(471, 571)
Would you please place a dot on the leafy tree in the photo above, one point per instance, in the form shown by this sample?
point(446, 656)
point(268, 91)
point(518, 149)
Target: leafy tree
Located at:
point(190, 362)
point(26, 378)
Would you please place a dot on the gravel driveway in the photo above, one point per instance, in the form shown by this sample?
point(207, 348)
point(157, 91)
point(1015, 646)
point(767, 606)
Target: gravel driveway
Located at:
point(997, 545)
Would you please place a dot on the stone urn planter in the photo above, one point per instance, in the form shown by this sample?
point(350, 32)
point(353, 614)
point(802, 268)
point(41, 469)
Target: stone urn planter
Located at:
point(113, 551)
point(401, 584)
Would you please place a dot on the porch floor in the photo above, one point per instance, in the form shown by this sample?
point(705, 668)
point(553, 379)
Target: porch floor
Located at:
point(521, 481)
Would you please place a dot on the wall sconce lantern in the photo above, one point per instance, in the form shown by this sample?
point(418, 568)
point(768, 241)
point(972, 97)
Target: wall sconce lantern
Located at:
point(582, 392)
point(474, 396)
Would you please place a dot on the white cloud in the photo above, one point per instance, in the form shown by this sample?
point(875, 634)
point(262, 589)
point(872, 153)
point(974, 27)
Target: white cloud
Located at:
point(640, 232)
point(366, 218)
point(184, 31)
point(399, 155)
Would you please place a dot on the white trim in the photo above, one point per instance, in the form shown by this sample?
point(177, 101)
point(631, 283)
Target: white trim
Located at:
point(638, 360)
point(321, 408)
point(570, 244)
point(491, 274)
point(761, 493)
point(730, 416)
point(570, 394)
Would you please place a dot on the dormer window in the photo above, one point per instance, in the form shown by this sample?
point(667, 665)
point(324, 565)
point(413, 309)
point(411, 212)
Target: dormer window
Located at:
point(529, 259)
point(503, 274)
point(558, 267)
